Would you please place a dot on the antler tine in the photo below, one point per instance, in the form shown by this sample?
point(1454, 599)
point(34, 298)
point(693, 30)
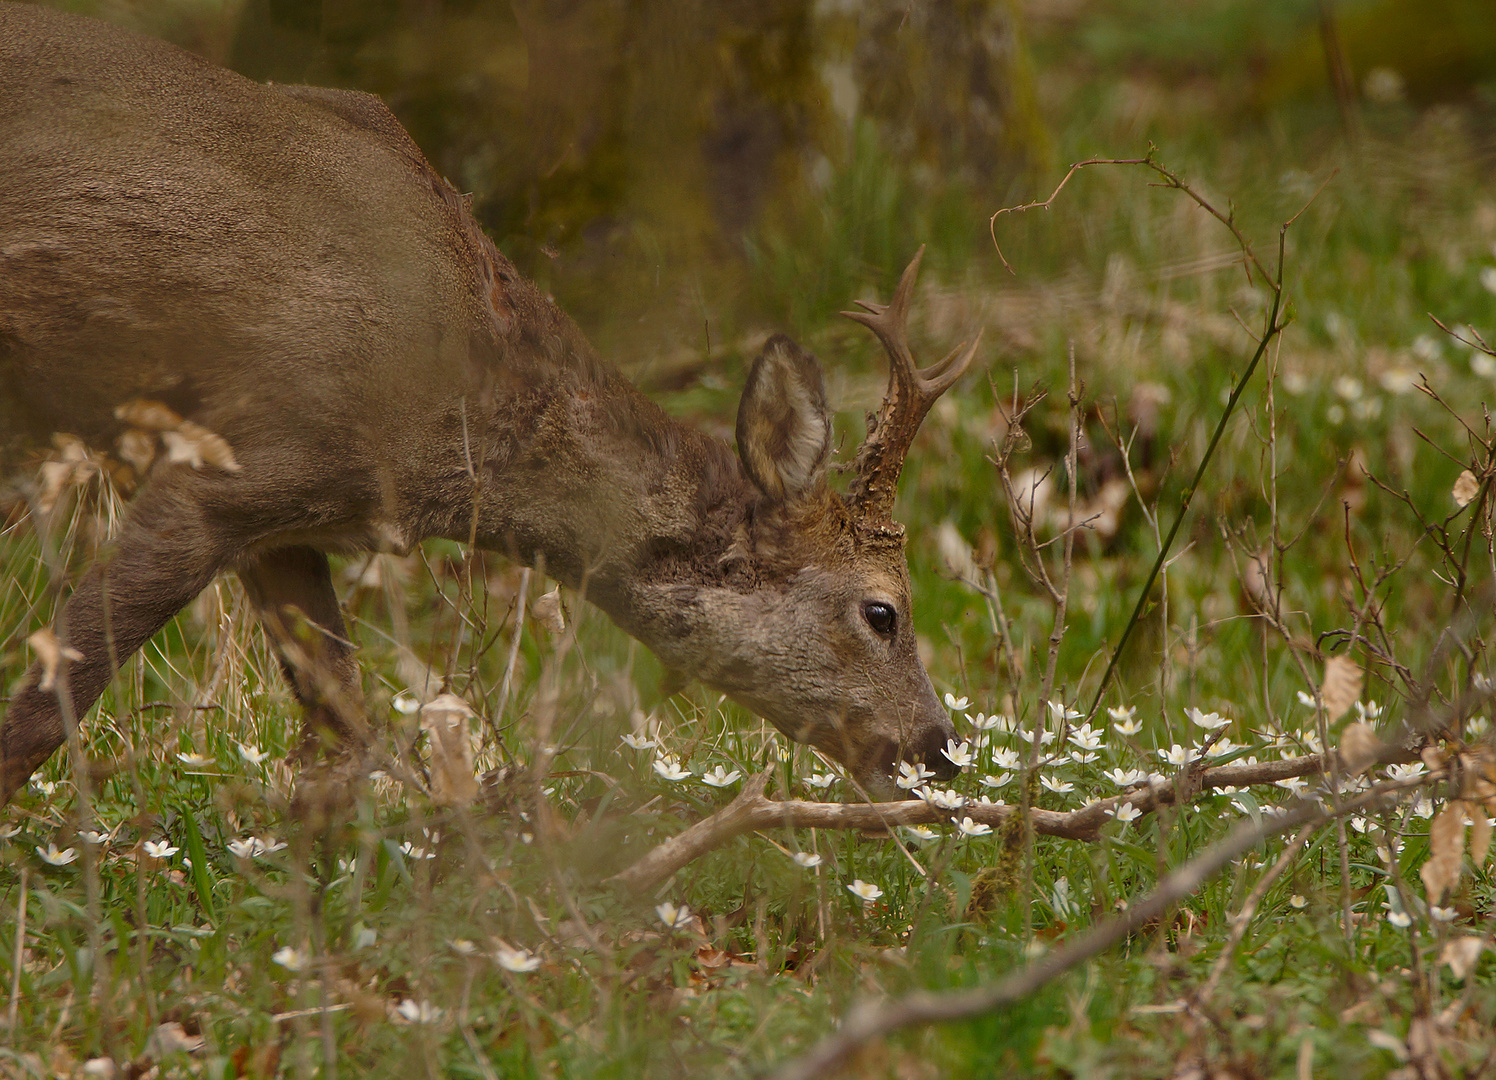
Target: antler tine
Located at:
point(911, 392)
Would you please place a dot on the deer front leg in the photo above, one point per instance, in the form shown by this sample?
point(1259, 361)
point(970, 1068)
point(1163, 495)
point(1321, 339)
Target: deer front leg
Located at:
point(291, 588)
point(167, 552)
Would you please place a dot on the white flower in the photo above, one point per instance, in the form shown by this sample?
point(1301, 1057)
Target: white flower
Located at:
point(1298, 902)
point(1178, 755)
point(46, 787)
point(1006, 759)
point(1223, 747)
point(247, 848)
point(1059, 787)
point(289, 958)
point(518, 961)
point(807, 859)
point(251, 753)
point(412, 851)
point(912, 775)
point(1124, 721)
point(1058, 712)
point(51, 855)
point(1208, 720)
point(1125, 813)
point(1406, 772)
point(959, 704)
point(983, 722)
point(462, 946)
point(973, 828)
point(865, 891)
point(922, 832)
point(1360, 824)
point(1370, 711)
point(405, 704)
point(1088, 738)
point(1000, 780)
point(720, 777)
point(1442, 914)
point(1061, 901)
point(1423, 806)
point(364, 936)
point(1296, 784)
point(941, 798)
point(1082, 757)
point(194, 761)
point(957, 755)
point(8, 831)
point(1125, 777)
point(822, 781)
point(1399, 919)
point(669, 767)
point(162, 850)
point(1306, 699)
point(674, 916)
point(418, 1012)
point(1027, 738)
point(639, 742)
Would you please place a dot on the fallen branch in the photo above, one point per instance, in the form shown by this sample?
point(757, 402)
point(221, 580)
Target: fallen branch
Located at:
point(872, 1020)
point(752, 811)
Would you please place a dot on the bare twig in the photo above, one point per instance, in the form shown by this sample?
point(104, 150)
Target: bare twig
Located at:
point(752, 811)
point(875, 1019)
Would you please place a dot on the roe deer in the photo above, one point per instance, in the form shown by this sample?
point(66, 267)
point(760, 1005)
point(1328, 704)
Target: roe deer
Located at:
point(280, 265)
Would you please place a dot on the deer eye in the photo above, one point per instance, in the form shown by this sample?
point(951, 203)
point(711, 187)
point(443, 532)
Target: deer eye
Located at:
point(881, 617)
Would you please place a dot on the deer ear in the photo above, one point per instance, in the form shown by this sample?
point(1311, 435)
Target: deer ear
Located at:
point(784, 426)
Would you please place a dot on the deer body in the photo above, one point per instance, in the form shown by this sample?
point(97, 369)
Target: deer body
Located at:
point(282, 267)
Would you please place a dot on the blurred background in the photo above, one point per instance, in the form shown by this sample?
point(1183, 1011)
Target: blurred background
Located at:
point(680, 171)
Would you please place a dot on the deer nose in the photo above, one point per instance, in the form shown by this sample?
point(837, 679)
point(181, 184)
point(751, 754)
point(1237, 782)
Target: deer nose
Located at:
point(929, 748)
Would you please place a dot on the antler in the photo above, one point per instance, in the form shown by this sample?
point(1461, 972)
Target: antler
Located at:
point(911, 392)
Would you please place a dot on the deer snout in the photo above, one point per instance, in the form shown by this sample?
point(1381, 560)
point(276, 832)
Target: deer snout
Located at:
point(929, 749)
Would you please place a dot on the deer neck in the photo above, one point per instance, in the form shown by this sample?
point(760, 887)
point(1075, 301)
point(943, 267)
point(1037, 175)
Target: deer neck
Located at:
point(605, 492)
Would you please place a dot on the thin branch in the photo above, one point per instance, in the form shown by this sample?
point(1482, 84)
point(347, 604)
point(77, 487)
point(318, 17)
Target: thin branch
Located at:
point(875, 1019)
point(752, 811)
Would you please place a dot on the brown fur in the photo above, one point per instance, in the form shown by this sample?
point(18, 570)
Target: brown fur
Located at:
point(281, 266)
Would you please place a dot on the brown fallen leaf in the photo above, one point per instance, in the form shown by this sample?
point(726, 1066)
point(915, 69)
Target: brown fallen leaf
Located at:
point(71, 466)
point(1359, 747)
point(1341, 686)
point(445, 720)
point(1462, 954)
point(1446, 841)
point(195, 445)
point(547, 611)
point(50, 653)
point(147, 414)
point(137, 448)
point(1465, 489)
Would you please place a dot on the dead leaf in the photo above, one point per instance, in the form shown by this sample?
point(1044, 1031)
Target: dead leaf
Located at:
point(1255, 581)
point(1462, 954)
point(71, 466)
point(445, 719)
point(955, 552)
point(1359, 748)
point(1465, 489)
point(547, 611)
point(1446, 841)
point(195, 445)
point(137, 449)
point(1480, 834)
point(147, 414)
point(50, 653)
point(1341, 686)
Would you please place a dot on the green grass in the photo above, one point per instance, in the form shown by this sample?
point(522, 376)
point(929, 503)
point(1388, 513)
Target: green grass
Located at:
point(1405, 228)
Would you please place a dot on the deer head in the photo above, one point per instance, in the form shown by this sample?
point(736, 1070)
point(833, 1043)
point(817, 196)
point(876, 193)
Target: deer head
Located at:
point(812, 627)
